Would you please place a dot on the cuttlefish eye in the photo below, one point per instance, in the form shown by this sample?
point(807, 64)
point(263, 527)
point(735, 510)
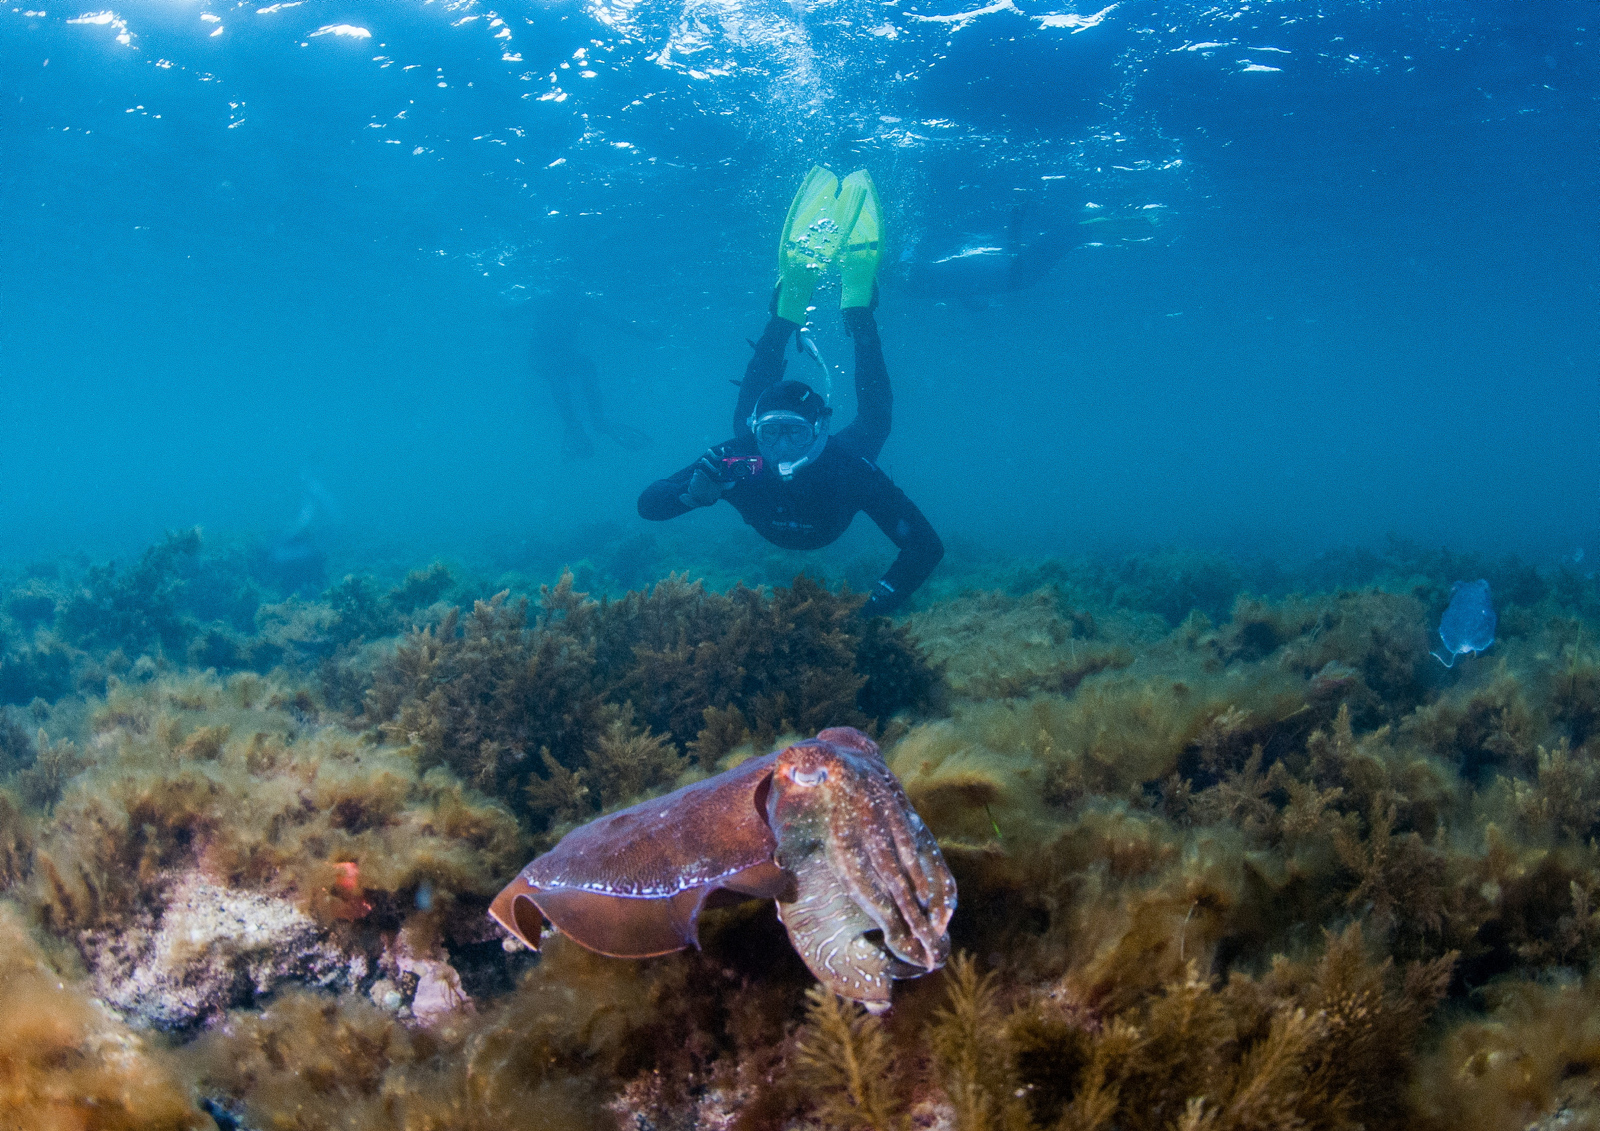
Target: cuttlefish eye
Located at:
point(808, 777)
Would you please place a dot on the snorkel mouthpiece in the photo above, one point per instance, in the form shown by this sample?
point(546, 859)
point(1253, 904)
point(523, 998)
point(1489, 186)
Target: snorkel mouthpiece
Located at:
point(786, 470)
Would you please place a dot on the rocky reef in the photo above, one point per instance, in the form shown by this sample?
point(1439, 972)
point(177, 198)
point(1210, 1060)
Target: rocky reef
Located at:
point(1233, 851)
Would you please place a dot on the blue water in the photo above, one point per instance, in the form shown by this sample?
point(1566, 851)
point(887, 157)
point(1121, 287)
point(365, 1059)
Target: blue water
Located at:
point(243, 248)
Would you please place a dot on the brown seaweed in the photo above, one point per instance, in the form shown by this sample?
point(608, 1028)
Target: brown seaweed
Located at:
point(515, 698)
point(1223, 850)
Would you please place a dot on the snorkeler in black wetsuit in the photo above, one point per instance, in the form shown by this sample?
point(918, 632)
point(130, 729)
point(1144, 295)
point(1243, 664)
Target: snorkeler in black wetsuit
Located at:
point(796, 484)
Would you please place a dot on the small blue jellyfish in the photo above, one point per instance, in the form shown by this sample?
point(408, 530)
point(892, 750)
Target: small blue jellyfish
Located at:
point(1468, 624)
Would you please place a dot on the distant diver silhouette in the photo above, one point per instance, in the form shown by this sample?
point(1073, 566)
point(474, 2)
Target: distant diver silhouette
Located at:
point(294, 562)
point(557, 357)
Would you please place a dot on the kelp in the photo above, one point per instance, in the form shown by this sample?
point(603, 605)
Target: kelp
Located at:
point(135, 610)
point(843, 1058)
point(41, 668)
point(312, 1062)
point(792, 661)
point(1173, 584)
point(1479, 728)
point(42, 782)
point(486, 696)
point(1575, 696)
point(188, 602)
point(530, 704)
point(996, 646)
point(1531, 1060)
point(18, 833)
point(1164, 586)
point(1318, 1043)
point(1223, 847)
point(361, 610)
point(976, 1071)
point(16, 744)
point(315, 1062)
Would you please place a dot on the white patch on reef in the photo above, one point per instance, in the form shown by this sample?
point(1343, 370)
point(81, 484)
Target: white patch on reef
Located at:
point(438, 992)
point(187, 964)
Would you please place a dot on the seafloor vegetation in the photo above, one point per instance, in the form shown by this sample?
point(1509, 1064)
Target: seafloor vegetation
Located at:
point(1233, 850)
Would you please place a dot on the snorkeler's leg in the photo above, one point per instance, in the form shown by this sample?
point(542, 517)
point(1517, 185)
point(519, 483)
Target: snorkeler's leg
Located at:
point(874, 398)
point(587, 378)
point(765, 368)
point(589, 381)
point(574, 440)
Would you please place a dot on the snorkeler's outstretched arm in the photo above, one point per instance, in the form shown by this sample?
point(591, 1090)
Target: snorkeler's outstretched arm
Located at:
point(700, 484)
point(765, 368)
point(664, 498)
point(680, 492)
point(920, 547)
point(874, 398)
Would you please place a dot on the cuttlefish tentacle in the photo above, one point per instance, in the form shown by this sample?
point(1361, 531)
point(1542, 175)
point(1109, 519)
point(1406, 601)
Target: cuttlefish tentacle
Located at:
point(917, 848)
point(866, 850)
point(828, 928)
point(903, 857)
point(863, 862)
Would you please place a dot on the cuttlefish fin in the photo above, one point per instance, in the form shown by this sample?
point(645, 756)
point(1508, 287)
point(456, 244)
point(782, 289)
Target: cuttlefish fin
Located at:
point(616, 925)
point(627, 926)
point(515, 910)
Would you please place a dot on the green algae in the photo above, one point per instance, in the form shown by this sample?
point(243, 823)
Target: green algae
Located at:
point(1229, 855)
point(66, 1061)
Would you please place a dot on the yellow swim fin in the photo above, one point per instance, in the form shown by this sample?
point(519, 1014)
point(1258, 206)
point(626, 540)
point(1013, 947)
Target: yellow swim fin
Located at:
point(860, 216)
point(810, 240)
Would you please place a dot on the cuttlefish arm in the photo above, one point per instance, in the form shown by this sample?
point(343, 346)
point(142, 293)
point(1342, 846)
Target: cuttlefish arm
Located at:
point(873, 897)
point(632, 883)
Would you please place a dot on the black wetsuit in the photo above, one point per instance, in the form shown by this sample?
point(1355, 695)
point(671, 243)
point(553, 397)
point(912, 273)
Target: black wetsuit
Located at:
point(819, 502)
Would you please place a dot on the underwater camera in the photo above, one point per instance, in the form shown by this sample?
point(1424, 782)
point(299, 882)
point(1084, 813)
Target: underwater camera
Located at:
point(731, 469)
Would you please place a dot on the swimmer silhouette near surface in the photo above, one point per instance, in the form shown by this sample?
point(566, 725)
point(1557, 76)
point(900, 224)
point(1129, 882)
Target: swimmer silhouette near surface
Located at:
point(988, 266)
point(557, 323)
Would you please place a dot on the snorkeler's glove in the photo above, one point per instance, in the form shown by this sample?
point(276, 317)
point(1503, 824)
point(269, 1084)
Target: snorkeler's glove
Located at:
point(714, 476)
point(882, 601)
point(702, 491)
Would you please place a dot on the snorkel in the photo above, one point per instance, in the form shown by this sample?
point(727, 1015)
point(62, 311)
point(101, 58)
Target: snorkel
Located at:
point(786, 469)
point(808, 346)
